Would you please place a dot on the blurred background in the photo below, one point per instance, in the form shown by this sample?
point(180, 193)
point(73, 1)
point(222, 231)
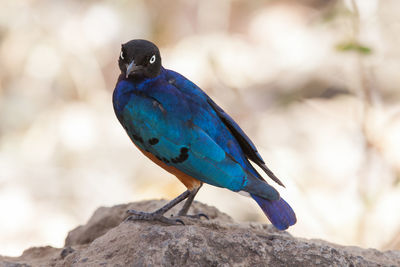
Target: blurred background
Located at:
point(314, 83)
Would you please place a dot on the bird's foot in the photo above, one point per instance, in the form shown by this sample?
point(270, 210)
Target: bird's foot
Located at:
point(194, 216)
point(151, 216)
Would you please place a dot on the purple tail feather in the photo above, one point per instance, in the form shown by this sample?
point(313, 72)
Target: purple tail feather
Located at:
point(278, 212)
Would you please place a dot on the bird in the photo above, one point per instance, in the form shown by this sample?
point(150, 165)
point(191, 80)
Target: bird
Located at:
point(180, 128)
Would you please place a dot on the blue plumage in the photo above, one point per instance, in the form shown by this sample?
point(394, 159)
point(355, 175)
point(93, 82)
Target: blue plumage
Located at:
point(171, 118)
point(278, 212)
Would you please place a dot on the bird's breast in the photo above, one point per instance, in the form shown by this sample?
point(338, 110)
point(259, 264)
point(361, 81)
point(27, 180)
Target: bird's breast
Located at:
point(190, 182)
point(121, 96)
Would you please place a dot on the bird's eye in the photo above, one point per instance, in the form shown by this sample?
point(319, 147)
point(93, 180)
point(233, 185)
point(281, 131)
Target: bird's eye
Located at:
point(122, 55)
point(152, 59)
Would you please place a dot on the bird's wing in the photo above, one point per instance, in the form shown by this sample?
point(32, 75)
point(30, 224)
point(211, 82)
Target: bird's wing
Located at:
point(247, 146)
point(244, 141)
point(170, 134)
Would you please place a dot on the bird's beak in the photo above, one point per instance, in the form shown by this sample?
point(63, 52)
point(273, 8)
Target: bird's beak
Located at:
point(131, 68)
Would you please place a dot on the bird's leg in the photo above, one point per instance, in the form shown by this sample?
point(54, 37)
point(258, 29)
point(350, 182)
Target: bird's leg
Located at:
point(158, 214)
point(188, 203)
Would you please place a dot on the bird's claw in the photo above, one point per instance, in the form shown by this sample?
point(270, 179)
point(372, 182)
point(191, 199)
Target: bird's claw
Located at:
point(194, 216)
point(145, 216)
point(198, 216)
point(203, 215)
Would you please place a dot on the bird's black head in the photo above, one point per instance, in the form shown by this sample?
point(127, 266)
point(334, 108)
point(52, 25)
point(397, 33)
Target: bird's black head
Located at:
point(139, 58)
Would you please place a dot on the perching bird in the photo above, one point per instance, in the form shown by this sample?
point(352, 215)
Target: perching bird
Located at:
point(179, 127)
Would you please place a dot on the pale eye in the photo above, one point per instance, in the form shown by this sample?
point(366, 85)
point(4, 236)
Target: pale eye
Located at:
point(122, 55)
point(152, 59)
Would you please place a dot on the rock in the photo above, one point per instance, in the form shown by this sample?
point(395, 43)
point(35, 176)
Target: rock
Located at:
point(105, 218)
point(106, 240)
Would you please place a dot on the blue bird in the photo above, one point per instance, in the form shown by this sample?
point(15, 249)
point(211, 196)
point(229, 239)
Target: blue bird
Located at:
point(179, 127)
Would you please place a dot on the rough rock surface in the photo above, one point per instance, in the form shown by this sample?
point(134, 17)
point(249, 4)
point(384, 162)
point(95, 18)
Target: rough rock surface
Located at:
point(106, 240)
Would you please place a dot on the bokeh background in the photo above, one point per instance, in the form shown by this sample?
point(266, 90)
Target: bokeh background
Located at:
point(315, 83)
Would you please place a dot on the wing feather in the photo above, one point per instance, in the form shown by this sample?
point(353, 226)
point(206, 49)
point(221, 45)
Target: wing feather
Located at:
point(205, 160)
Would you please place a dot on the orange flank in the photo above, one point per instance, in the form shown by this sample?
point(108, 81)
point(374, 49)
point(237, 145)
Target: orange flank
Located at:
point(190, 182)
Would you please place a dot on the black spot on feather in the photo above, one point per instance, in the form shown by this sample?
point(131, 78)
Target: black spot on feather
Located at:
point(182, 156)
point(137, 138)
point(153, 141)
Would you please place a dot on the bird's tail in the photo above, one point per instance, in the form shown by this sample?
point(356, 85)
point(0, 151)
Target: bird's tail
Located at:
point(278, 212)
